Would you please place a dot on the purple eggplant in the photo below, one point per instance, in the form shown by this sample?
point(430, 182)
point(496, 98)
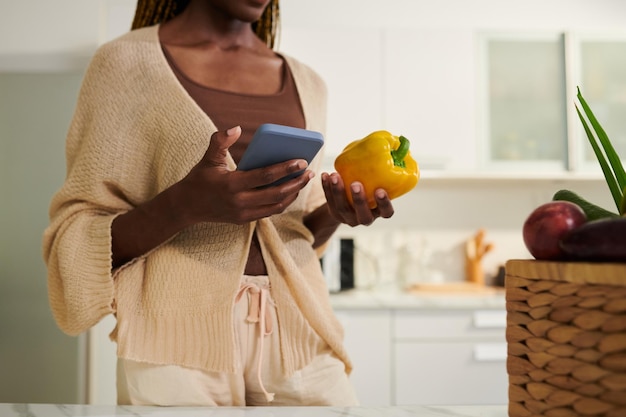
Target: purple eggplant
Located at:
point(601, 240)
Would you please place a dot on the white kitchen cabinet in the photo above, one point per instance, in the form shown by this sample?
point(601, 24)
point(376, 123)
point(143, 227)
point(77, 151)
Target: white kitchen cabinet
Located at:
point(429, 324)
point(450, 357)
point(602, 79)
point(450, 373)
point(101, 382)
point(421, 109)
point(524, 107)
point(355, 104)
point(418, 356)
point(528, 118)
point(368, 341)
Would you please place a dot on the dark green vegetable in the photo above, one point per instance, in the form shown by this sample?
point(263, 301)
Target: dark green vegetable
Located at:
point(593, 211)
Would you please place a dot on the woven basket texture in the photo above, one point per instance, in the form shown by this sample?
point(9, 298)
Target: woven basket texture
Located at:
point(566, 338)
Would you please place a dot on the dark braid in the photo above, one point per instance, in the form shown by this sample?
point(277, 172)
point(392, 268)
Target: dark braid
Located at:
point(267, 26)
point(152, 12)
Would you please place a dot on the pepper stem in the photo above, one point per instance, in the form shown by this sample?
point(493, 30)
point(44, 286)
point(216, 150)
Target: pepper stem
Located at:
point(399, 154)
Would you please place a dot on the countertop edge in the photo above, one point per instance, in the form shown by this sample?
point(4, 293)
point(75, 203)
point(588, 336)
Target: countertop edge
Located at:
point(374, 299)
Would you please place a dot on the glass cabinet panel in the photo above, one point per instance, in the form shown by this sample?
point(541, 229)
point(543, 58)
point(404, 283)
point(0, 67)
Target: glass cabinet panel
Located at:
point(525, 99)
point(603, 85)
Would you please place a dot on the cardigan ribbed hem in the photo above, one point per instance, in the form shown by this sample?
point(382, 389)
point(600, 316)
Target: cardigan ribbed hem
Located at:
point(179, 339)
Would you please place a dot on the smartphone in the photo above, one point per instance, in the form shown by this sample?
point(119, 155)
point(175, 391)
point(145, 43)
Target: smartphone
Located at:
point(273, 143)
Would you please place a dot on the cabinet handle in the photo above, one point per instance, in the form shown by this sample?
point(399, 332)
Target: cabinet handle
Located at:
point(490, 352)
point(490, 319)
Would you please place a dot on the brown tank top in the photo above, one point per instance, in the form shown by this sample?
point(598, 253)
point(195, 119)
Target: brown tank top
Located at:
point(228, 109)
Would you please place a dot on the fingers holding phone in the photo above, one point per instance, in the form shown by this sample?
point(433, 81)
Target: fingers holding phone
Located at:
point(268, 178)
point(272, 145)
point(287, 175)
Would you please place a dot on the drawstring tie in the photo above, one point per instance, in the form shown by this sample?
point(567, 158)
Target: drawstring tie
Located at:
point(258, 313)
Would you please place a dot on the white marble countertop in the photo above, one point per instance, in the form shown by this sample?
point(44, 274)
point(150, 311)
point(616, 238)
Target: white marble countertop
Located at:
point(394, 298)
point(56, 410)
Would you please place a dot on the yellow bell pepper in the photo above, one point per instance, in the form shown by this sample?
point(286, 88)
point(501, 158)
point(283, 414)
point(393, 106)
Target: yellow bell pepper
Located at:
point(380, 160)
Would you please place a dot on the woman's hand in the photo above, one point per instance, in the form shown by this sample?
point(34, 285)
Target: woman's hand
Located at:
point(359, 213)
point(213, 192)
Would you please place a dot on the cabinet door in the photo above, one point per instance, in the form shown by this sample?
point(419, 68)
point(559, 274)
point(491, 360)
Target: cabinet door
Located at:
point(450, 373)
point(349, 64)
point(603, 85)
point(102, 388)
point(525, 119)
point(428, 325)
point(435, 116)
point(368, 341)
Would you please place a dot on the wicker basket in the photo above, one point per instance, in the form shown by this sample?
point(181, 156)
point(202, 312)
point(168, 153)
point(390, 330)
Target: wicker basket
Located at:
point(566, 337)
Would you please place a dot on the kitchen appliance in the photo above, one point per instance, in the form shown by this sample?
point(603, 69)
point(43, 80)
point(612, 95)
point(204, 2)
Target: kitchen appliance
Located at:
point(338, 264)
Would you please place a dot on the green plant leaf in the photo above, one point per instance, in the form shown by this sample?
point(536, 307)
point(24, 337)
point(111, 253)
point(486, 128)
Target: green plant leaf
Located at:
point(606, 170)
point(614, 159)
point(615, 175)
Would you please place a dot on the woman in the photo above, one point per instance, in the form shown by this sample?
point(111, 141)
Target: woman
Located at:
point(214, 280)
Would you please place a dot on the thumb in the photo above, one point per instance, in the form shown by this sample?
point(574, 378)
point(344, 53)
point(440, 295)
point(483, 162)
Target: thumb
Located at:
point(221, 141)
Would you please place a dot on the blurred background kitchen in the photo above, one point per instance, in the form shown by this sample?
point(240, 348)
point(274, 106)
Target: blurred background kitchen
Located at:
point(485, 91)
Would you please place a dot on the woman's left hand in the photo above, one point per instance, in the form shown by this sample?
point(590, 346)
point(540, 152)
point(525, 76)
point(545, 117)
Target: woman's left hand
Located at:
point(358, 213)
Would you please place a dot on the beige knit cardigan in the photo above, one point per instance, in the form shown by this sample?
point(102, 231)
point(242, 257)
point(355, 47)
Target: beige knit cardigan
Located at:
point(134, 133)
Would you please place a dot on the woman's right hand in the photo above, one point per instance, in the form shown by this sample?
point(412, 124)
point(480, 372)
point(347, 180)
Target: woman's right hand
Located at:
point(213, 192)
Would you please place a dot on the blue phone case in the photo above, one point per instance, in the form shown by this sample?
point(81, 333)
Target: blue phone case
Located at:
point(274, 143)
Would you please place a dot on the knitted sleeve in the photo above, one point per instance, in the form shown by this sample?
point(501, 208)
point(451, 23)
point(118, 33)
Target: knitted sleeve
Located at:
point(77, 242)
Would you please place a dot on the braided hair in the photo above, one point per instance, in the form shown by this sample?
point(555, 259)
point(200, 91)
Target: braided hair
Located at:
point(152, 12)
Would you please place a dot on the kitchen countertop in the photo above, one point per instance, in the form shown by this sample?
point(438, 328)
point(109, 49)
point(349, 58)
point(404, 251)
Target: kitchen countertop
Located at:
point(395, 298)
point(57, 410)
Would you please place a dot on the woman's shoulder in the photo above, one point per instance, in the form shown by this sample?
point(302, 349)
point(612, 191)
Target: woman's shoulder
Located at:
point(133, 51)
point(132, 45)
point(142, 36)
